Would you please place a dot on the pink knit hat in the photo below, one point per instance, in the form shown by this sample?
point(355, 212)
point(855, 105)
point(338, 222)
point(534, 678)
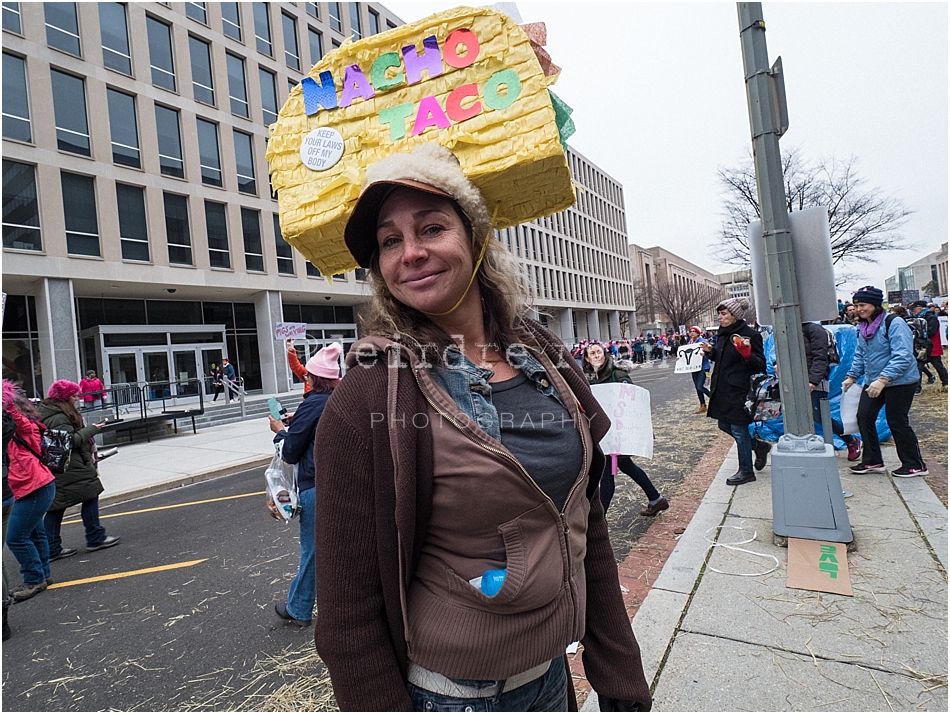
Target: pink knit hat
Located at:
point(326, 363)
point(63, 390)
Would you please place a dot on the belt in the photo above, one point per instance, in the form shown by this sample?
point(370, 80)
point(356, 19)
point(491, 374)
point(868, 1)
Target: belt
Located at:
point(440, 684)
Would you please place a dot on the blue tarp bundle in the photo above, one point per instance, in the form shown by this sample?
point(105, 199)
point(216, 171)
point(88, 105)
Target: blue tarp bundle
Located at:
point(847, 337)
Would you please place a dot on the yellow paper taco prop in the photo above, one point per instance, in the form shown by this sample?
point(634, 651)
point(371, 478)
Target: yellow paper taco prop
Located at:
point(470, 79)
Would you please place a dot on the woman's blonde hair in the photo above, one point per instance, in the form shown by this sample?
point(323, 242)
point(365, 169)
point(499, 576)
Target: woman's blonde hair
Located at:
point(506, 301)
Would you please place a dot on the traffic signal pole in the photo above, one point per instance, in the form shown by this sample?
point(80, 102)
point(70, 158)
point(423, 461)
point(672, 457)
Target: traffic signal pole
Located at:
point(765, 92)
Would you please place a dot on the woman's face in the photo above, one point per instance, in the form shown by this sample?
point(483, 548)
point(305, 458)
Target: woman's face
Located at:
point(726, 318)
point(865, 310)
point(595, 355)
point(693, 334)
point(425, 254)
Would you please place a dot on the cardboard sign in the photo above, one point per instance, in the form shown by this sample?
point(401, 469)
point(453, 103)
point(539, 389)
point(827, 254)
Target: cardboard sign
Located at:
point(942, 319)
point(468, 78)
point(289, 330)
point(819, 566)
point(631, 423)
point(689, 358)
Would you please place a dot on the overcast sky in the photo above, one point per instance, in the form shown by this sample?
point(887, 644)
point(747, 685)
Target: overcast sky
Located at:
point(659, 103)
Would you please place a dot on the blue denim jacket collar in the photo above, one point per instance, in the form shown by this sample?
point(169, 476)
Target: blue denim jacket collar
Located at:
point(468, 385)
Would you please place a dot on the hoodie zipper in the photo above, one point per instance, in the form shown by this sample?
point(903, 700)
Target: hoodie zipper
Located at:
point(471, 437)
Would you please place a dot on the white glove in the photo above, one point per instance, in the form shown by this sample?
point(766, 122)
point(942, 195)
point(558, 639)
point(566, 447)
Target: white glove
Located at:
point(876, 387)
point(846, 385)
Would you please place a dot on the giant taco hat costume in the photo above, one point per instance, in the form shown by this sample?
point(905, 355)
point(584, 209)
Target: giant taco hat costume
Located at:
point(470, 79)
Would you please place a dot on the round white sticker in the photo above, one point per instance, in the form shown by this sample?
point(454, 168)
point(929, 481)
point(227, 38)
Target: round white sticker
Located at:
point(321, 149)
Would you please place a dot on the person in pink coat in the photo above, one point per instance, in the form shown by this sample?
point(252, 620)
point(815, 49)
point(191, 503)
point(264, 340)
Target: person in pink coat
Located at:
point(33, 487)
point(91, 387)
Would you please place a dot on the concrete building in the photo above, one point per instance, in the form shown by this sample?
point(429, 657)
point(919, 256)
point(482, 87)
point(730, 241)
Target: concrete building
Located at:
point(576, 261)
point(664, 276)
point(738, 284)
point(140, 235)
point(921, 275)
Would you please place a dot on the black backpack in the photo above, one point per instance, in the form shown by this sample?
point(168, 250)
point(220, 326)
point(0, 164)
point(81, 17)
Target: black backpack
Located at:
point(55, 449)
point(833, 356)
point(918, 328)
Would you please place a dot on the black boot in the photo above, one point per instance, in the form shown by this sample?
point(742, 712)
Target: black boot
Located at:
point(762, 449)
point(740, 477)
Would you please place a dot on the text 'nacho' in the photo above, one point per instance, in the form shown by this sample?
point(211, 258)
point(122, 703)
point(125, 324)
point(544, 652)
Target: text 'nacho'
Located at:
point(468, 78)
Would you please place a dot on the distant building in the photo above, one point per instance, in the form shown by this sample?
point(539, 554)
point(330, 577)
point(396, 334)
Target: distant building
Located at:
point(657, 269)
point(738, 284)
point(922, 275)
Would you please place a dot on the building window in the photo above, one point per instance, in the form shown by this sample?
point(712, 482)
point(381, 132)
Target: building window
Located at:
point(231, 20)
point(125, 135)
point(373, 23)
point(69, 110)
point(201, 80)
point(335, 16)
point(133, 226)
point(79, 209)
point(262, 29)
point(285, 254)
point(21, 212)
point(177, 233)
point(209, 156)
point(237, 87)
point(268, 96)
point(169, 142)
point(11, 16)
point(312, 9)
point(356, 24)
point(197, 11)
point(390, 25)
point(160, 53)
point(291, 50)
point(312, 271)
point(115, 37)
point(253, 252)
point(360, 274)
point(62, 27)
point(335, 44)
point(216, 221)
point(316, 45)
point(16, 104)
point(244, 158)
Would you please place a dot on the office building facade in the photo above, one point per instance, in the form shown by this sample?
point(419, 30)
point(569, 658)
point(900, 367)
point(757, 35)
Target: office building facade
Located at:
point(140, 235)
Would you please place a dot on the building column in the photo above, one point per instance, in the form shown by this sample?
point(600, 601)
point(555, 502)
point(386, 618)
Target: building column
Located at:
point(58, 331)
point(613, 321)
point(567, 327)
point(634, 328)
point(275, 373)
point(593, 325)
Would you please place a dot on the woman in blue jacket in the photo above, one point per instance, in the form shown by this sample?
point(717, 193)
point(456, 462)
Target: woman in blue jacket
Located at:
point(323, 375)
point(885, 358)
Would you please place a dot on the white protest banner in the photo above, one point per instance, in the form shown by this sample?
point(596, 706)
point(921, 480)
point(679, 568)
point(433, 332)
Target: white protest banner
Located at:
point(631, 424)
point(689, 358)
point(943, 329)
point(289, 330)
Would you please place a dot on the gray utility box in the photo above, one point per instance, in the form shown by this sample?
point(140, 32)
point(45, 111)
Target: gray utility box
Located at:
point(807, 501)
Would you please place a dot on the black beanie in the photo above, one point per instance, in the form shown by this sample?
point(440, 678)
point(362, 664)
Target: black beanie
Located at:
point(870, 295)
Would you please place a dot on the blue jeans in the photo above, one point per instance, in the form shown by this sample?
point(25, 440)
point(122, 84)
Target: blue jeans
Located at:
point(699, 381)
point(303, 590)
point(95, 533)
point(744, 443)
point(548, 693)
point(26, 537)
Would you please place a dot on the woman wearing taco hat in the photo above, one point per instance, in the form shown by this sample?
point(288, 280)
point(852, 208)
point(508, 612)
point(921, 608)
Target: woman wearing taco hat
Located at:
point(461, 542)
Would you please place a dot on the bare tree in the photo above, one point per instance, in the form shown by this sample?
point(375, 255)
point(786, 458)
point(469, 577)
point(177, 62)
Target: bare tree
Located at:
point(681, 302)
point(863, 221)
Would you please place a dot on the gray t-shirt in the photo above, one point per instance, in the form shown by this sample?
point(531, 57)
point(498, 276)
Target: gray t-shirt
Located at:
point(541, 434)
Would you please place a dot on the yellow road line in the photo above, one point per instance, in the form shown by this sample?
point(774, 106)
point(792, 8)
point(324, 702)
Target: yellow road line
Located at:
point(165, 508)
point(129, 574)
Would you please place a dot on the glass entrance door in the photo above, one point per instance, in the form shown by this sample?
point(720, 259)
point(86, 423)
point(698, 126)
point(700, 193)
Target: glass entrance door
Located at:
point(210, 358)
point(122, 369)
point(186, 372)
point(155, 365)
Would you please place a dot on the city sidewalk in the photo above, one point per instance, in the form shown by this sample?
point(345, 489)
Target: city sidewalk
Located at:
point(142, 468)
point(718, 642)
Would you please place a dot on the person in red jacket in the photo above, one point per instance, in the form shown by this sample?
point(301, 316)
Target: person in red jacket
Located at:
point(300, 372)
point(33, 487)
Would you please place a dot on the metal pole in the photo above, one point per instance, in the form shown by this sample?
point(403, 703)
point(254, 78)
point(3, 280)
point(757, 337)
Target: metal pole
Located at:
point(765, 95)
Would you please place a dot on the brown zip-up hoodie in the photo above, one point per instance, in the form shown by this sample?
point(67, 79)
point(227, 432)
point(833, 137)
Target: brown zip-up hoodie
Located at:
point(374, 501)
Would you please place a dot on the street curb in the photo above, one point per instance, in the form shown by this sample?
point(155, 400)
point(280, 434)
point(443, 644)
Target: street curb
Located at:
point(187, 480)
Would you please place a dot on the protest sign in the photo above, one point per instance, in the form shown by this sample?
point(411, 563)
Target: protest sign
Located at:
point(819, 566)
point(290, 330)
point(689, 358)
point(468, 78)
point(943, 329)
point(631, 423)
